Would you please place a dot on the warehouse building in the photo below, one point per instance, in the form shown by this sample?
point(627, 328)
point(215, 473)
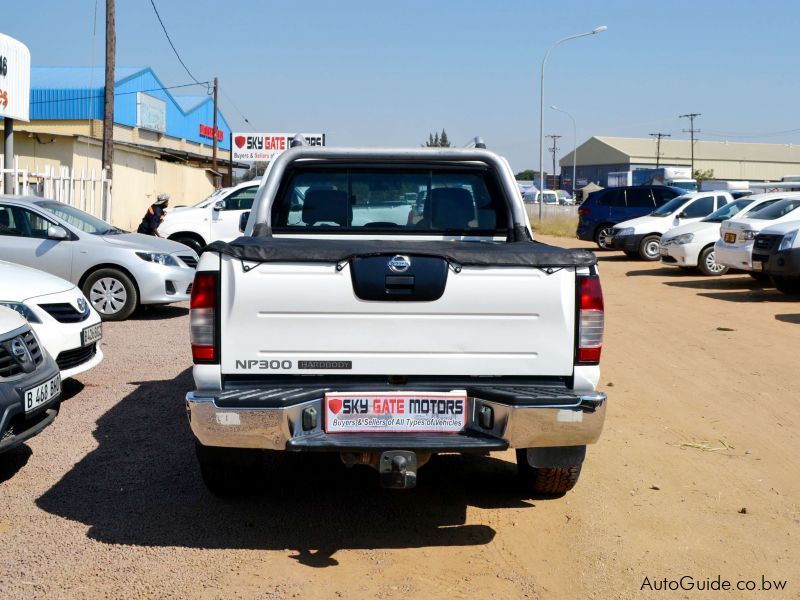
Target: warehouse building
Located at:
point(599, 156)
point(162, 142)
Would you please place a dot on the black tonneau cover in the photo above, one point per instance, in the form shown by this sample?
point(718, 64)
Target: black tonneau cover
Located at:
point(479, 254)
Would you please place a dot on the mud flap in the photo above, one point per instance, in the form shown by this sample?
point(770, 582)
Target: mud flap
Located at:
point(556, 456)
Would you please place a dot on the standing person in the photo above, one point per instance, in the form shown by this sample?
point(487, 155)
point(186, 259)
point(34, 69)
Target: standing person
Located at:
point(154, 215)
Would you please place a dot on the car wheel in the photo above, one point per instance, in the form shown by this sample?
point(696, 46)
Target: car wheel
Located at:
point(549, 481)
point(600, 235)
point(111, 293)
point(191, 241)
point(228, 472)
point(788, 285)
point(648, 248)
point(707, 264)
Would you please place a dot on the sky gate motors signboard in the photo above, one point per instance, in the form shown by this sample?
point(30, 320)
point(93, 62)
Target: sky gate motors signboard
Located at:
point(15, 79)
point(263, 147)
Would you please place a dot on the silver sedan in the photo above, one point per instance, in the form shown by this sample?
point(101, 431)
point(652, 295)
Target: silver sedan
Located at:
point(116, 270)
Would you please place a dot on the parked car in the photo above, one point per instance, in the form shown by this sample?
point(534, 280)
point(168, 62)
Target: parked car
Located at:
point(547, 196)
point(64, 321)
point(30, 384)
point(603, 209)
point(776, 252)
point(342, 336)
point(215, 218)
point(116, 270)
point(641, 237)
point(734, 249)
point(692, 245)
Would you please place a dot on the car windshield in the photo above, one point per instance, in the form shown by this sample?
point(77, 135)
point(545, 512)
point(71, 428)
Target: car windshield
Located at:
point(209, 199)
point(442, 199)
point(670, 207)
point(727, 211)
point(78, 219)
point(776, 210)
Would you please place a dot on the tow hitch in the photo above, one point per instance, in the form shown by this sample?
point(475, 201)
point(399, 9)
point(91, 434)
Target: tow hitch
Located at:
point(398, 469)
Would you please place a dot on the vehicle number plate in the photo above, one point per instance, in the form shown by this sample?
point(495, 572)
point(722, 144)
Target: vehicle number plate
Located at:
point(430, 412)
point(41, 394)
point(730, 238)
point(91, 334)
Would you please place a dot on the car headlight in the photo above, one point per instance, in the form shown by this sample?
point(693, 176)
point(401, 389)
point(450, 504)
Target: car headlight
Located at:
point(748, 234)
point(22, 309)
point(788, 240)
point(159, 257)
point(624, 231)
point(684, 238)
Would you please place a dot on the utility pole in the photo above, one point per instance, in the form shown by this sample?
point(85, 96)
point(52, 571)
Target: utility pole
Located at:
point(214, 131)
point(554, 149)
point(658, 137)
point(692, 131)
point(108, 93)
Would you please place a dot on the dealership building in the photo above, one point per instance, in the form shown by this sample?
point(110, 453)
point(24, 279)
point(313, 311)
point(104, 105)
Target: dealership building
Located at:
point(162, 142)
point(736, 161)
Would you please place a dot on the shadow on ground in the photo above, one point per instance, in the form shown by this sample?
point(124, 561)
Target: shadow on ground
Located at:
point(158, 312)
point(789, 318)
point(723, 283)
point(70, 388)
point(141, 486)
point(13, 460)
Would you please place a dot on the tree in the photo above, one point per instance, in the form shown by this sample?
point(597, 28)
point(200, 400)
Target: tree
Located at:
point(700, 175)
point(438, 141)
point(527, 175)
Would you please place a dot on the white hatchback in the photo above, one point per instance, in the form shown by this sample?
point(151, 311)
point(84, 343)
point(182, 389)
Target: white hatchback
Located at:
point(64, 321)
point(734, 249)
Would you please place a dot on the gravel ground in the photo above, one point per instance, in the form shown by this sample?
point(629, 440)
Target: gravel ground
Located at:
point(107, 502)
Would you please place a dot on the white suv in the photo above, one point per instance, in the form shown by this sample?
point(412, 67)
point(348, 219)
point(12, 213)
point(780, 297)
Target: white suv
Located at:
point(215, 218)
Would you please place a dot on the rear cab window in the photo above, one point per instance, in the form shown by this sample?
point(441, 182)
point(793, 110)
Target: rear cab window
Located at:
point(776, 210)
point(390, 199)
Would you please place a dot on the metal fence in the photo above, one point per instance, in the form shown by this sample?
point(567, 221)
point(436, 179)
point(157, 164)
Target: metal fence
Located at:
point(88, 190)
point(551, 211)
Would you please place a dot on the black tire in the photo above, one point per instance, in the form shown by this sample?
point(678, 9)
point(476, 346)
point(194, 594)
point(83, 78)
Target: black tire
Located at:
point(648, 248)
point(788, 285)
point(228, 472)
point(111, 293)
point(758, 276)
point(631, 253)
point(600, 233)
point(706, 264)
point(190, 240)
point(552, 481)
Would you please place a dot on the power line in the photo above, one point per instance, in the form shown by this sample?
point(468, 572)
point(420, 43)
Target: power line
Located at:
point(691, 130)
point(658, 137)
point(174, 49)
point(725, 134)
point(171, 87)
point(241, 114)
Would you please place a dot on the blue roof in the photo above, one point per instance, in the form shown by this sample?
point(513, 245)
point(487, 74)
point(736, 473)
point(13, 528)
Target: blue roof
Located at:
point(76, 93)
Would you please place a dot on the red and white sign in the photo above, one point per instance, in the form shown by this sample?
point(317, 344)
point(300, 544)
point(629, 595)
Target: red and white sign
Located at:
point(15, 79)
point(208, 131)
point(430, 412)
point(263, 147)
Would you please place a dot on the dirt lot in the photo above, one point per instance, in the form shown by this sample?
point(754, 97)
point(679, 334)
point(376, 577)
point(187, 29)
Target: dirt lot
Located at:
point(703, 426)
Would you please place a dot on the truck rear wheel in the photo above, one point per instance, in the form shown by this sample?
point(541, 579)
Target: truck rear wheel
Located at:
point(228, 472)
point(548, 481)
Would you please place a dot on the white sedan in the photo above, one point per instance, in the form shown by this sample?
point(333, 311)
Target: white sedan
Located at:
point(64, 321)
point(692, 245)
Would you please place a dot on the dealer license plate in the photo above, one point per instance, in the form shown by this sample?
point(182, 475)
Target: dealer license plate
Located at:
point(430, 412)
point(730, 238)
point(91, 334)
point(41, 394)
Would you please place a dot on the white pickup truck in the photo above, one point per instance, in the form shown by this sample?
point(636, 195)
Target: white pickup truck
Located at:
point(348, 319)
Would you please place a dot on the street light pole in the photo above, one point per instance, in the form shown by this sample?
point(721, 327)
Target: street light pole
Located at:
point(541, 101)
point(575, 140)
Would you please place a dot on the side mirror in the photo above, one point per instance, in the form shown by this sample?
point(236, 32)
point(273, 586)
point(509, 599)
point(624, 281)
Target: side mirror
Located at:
point(56, 232)
point(681, 215)
point(243, 221)
point(220, 205)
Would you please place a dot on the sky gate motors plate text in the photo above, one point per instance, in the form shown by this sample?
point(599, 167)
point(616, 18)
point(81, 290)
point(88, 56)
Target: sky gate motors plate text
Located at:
point(396, 412)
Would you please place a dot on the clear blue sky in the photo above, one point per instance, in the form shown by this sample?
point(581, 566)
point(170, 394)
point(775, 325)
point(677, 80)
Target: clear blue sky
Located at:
point(388, 73)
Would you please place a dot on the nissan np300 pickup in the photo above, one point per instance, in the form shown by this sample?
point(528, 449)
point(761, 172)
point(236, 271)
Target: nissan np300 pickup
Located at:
point(388, 305)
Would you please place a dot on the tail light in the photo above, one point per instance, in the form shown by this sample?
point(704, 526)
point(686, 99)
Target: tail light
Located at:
point(582, 212)
point(203, 318)
point(591, 318)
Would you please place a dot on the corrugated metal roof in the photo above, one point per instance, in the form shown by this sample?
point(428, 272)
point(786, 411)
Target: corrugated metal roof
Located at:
point(704, 149)
point(189, 103)
point(77, 77)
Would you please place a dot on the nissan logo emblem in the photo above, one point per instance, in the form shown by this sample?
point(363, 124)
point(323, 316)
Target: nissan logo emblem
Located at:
point(399, 263)
point(20, 350)
point(81, 305)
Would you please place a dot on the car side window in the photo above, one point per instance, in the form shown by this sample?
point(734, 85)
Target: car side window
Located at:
point(663, 195)
point(22, 222)
point(702, 207)
point(721, 201)
point(241, 199)
point(612, 197)
point(640, 198)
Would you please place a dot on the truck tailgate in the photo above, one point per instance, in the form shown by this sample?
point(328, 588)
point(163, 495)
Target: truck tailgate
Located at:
point(306, 319)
